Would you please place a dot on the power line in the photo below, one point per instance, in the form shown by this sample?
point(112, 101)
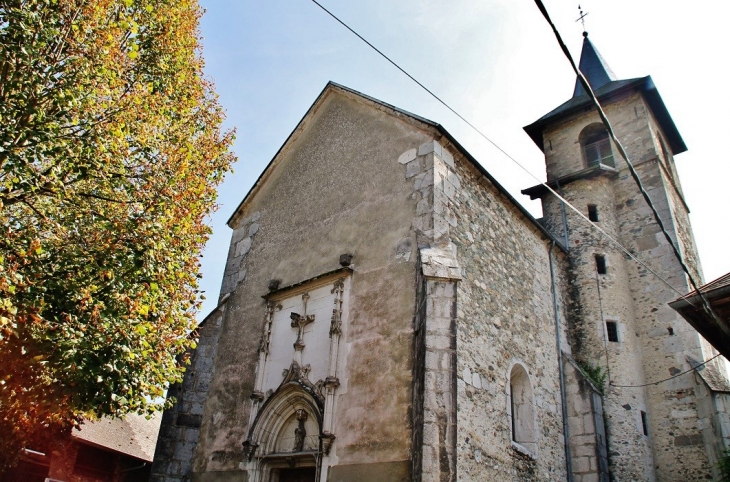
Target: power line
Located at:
point(667, 379)
point(624, 155)
point(515, 161)
point(586, 86)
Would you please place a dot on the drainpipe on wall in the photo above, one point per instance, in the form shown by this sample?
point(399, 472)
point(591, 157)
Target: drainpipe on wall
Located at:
point(564, 409)
point(565, 219)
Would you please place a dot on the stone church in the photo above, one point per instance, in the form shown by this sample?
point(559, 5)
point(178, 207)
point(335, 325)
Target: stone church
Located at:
point(389, 312)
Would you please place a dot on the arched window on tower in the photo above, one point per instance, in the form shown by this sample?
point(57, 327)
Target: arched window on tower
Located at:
point(522, 409)
point(596, 146)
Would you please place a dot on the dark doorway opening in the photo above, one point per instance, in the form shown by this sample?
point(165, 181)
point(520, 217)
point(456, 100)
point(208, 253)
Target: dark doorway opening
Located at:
point(304, 474)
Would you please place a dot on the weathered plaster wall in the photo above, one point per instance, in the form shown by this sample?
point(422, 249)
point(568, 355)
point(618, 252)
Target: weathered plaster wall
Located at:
point(504, 316)
point(337, 188)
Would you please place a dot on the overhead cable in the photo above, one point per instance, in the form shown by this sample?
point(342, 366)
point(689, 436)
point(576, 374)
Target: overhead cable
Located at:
point(694, 368)
point(586, 86)
point(515, 161)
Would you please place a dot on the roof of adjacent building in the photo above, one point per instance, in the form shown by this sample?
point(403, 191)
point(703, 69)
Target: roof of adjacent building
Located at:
point(133, 435)
point(605, 86)
point(714, 379)
point(691, 307)
point(720, 282)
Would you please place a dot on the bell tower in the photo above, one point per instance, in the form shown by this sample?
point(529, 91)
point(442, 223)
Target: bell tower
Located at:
point(619, 319)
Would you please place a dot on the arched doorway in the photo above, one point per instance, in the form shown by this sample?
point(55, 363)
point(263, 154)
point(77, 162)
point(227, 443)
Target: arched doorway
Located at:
point(285, 440)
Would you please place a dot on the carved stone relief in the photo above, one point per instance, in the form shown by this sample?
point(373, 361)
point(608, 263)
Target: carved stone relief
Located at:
point(300, 374)
point(291, 414)
point(268, 319)
point(301, 431)
point(336, 326)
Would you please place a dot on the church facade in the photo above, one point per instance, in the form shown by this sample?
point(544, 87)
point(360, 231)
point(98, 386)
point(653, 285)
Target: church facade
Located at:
point(389, 312)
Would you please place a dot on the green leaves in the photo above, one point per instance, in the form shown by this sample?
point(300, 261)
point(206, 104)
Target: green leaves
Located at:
point(110, 153)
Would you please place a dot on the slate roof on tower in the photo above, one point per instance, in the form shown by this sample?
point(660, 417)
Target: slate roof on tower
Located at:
point(605, 86)
point(594, 68)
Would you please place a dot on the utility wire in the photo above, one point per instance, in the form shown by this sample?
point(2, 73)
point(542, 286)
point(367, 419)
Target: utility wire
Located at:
point(588, 89)
point(551, 190)
point(705, 304)
point(667, 379)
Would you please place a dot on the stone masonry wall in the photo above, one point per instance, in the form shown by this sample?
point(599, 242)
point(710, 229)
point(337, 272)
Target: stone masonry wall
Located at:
point(714, 408)
point(434, 386)
point(504, 316)
point(655, 341)
point(419, 376)
point(587, 431)
point(673, 418)
point(439, 414)
point(180, 428)
point(597, 299)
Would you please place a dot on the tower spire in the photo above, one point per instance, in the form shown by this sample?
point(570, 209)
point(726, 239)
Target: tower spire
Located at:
point(594, 68)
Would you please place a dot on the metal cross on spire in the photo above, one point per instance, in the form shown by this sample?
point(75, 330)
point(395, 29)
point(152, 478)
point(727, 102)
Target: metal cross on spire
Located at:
point(582, 17)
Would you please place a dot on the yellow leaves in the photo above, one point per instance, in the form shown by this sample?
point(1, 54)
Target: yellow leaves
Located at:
point(152, 139)
point(7, 306)
point(35, 246)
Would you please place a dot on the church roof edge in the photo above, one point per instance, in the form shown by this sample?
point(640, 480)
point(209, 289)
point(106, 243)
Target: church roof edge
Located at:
point(438, 127)
point(645, 85)
point(329, 86)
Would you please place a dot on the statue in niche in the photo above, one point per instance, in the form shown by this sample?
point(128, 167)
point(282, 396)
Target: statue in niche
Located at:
point(300, 432)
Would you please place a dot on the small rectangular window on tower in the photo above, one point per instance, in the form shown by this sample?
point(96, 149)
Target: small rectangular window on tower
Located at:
point(593, 213)
point(644, 424)
point(600, 264)
point(612, 331)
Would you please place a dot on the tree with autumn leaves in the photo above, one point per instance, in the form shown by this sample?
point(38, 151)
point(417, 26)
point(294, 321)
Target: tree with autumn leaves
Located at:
point(110, 151)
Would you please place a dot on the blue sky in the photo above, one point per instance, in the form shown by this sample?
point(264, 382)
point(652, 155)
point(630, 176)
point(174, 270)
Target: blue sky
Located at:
point(494, 61)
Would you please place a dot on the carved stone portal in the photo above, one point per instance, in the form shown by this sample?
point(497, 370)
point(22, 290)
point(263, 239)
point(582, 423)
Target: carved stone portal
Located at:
point(300, 375)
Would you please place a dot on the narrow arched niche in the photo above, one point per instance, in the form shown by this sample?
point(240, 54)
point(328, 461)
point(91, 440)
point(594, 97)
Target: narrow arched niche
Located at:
point(299, 433)
point(523, 420)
